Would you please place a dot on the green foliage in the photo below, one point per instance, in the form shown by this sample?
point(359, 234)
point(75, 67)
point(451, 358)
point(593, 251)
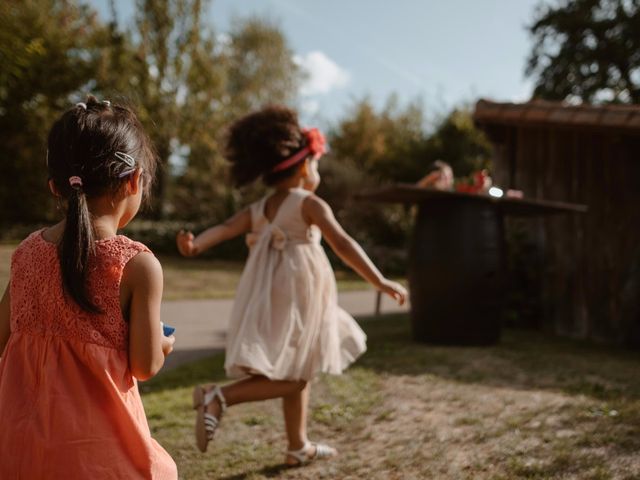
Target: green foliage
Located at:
point(373, 147)
point(458, 142)
point(387, 144)
point(186, 81)
point(247, 69)
point(48, 49)
point(587, 49)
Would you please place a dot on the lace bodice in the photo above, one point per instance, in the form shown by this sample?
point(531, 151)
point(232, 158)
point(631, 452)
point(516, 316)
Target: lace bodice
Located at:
point(39, 305)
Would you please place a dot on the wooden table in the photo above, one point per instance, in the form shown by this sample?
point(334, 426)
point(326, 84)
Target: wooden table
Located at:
point(457, 259)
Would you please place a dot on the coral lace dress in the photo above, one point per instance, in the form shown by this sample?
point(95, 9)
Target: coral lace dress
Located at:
point(69, 407)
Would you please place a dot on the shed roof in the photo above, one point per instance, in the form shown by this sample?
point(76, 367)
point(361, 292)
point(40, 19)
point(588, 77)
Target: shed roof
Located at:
point(540, 112)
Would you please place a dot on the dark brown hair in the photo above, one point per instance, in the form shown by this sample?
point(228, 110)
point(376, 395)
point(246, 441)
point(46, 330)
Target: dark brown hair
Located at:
point(259, 141)
point(83, 142)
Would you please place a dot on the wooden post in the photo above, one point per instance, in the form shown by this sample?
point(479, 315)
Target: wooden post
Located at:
point(378, 302)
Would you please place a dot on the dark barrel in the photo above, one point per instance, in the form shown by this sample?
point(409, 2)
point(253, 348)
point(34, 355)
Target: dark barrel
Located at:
point(455, 272)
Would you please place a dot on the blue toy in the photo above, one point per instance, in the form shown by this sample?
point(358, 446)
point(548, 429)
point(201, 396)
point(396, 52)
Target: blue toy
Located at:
point(168, 330)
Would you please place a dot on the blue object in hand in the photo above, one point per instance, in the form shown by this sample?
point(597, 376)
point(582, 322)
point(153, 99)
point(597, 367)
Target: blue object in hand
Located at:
point(168, 330)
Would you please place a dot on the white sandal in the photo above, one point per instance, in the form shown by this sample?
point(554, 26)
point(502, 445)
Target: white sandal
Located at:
point(206, 424)
point(303, 457)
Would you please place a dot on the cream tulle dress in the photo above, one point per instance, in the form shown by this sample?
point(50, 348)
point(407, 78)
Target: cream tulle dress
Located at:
point(286, 323)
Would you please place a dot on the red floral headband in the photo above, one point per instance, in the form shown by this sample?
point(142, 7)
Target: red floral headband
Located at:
point(315, 146)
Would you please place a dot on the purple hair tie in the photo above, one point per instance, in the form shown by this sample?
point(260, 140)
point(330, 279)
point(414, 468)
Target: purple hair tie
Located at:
point(75, 181)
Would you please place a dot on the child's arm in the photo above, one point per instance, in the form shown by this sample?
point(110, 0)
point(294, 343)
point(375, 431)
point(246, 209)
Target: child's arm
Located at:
point(5, 318)
point(148, 347)
point(316, 211)
point(190, 246)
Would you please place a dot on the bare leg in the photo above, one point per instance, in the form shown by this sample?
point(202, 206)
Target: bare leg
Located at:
point(253, 389)
point(295, 407)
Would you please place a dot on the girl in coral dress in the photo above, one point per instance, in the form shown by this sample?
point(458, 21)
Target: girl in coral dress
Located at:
point(80, 320)
point(286, 325)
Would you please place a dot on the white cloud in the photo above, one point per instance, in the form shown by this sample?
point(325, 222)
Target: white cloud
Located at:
point(323, 74)
point(310, 106)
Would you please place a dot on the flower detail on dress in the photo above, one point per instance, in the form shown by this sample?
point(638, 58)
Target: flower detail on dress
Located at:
point(251, 239)
point(277, 237)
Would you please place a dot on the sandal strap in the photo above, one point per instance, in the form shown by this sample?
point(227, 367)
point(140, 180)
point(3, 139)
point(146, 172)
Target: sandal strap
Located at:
point(210, 425)
point(322, 450)
point(300, 455)
point(216, 392)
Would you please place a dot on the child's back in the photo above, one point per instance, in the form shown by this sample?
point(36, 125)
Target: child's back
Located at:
point(286, 322)
point(69, 405)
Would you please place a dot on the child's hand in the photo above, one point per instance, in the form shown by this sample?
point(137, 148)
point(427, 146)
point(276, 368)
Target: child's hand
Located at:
point(167, 344)
point(184, 240)
point(394, 290)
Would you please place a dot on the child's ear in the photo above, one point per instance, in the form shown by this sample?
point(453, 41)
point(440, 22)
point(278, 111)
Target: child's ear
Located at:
point(304, 169)
point(133, 182)
point(52, 187)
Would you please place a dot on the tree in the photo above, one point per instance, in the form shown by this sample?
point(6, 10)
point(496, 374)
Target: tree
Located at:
point(387, 144)
point(587, 50)
point(185, 81)
point(189, 83)
point(48, 51)
point(457, 141)
point(370, 147)
point(392, 145)
point(230, 75)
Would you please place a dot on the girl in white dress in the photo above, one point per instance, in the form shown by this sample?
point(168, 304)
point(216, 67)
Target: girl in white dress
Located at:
point(286, 325)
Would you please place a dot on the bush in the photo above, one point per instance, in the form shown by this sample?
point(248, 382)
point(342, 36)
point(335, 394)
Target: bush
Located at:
point(160, 237)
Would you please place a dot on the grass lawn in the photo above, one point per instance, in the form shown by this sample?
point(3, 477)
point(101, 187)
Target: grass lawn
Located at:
point(533, 407)
point(196, 278)
point(199, 278)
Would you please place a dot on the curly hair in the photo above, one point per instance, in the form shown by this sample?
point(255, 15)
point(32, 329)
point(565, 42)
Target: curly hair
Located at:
point(257, 142)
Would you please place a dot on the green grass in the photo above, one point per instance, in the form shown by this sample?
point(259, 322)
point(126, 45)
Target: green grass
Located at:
point(531, 407)
point(199, 278)
point(5, 263)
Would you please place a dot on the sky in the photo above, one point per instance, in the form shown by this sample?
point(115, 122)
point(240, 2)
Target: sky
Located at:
point(443, 53)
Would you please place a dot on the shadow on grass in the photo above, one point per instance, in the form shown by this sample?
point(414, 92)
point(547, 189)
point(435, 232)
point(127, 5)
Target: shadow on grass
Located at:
point(208, 370)
point(269, 471)
point(522, 360)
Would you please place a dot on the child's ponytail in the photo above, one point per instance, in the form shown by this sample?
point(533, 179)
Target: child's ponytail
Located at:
point(77, 246)
point(93, 148)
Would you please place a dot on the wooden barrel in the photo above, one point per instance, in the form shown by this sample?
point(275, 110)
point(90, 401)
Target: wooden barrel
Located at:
point(455, 272)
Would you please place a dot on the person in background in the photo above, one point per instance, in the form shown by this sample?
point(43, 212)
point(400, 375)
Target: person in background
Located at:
point(440, 177)
point(286, 326)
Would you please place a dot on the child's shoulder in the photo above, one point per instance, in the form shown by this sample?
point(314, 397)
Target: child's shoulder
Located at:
point(32, 241)
point(122, 244)
point(34, 249)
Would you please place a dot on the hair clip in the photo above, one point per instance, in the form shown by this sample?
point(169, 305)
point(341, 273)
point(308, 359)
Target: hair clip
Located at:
point(126, 172)
point(46, 158)
point(75, 181)
point(107, 103)
point(126, 158)
point(81, 104)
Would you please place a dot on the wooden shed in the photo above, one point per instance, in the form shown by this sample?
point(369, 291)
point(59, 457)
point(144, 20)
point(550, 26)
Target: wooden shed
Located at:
point(589, 264)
